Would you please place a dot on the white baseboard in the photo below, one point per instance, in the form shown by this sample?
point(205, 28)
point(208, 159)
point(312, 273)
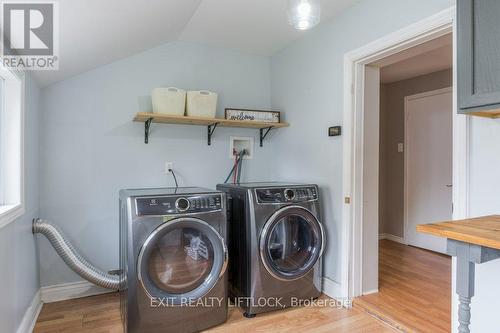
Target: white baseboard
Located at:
point(65, 291)
point(393, 238)
point(374, 291)
point(332, 288)
point(31, 315)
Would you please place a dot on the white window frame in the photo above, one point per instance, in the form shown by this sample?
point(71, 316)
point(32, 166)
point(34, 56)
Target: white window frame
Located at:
point(11, 212)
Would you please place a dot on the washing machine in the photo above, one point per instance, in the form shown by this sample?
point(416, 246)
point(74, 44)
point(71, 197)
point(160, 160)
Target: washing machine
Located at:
point(173, 259)
point(275, 242)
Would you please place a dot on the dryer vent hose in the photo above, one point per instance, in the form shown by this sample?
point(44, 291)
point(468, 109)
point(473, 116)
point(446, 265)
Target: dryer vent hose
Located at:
point(72, 258)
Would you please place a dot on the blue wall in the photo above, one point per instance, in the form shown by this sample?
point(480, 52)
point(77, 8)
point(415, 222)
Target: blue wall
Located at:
point(91, 148)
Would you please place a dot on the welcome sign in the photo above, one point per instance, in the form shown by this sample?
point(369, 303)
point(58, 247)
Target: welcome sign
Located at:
point(252, 115)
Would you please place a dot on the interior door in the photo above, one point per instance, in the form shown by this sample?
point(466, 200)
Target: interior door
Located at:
point(428, 165)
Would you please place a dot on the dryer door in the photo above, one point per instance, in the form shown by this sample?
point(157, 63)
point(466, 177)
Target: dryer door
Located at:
point(291, 243)
point(181, 260)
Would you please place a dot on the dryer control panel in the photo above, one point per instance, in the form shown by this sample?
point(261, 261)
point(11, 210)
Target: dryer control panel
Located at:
point(176, 205)
point(286, 194)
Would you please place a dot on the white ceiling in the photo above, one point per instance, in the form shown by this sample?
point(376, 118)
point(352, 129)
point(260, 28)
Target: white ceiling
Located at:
point(433, 56)
point(96, 32)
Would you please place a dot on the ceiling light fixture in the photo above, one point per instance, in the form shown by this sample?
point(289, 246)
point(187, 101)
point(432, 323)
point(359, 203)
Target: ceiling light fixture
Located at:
point(304, 14)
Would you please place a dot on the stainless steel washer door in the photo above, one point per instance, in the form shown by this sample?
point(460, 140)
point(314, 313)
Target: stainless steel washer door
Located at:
point(291, 243)
point(181, 260)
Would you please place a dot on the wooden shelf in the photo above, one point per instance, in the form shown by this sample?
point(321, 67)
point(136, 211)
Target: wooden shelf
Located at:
point(200, 121)
point(212, 123)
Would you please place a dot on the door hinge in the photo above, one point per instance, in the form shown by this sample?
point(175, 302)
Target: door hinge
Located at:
point(347, 200)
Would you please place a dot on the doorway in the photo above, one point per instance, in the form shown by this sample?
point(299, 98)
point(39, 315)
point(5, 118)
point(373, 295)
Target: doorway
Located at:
point(407, 150)
point(362, 151)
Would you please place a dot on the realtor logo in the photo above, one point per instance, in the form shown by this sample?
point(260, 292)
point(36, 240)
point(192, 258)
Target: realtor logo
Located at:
point(30, 35)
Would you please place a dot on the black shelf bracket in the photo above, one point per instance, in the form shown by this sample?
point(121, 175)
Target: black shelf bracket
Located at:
point(211, 129)
point(263, 135)
point(147, 125)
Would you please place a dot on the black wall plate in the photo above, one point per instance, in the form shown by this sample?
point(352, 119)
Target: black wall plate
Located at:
point(335, 131)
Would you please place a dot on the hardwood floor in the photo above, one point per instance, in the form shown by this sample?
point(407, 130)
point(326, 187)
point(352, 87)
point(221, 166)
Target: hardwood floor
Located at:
point(414, 289)
point(415, 296)
point(306, 320)
point(101, 314)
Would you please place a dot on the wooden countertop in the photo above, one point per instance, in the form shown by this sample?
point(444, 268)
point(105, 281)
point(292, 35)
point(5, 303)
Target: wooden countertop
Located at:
point(484, 231)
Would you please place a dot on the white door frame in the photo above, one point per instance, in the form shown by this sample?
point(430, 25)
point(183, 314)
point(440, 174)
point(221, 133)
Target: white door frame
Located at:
point(406, 150)
point(354, 64)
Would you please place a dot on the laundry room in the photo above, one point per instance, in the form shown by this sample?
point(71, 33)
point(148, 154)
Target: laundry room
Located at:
point(227, 165)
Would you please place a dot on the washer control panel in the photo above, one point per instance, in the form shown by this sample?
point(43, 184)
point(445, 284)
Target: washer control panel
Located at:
point(286, 194)
point(173, 205)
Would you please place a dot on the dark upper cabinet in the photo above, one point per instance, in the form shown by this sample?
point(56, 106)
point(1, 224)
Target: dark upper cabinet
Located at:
point(478, 38)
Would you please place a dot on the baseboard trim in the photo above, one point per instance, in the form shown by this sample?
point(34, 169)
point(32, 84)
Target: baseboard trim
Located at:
point(369, 292)
point(65, 291)
point(393, 238)
point(31, 315)
point(332, 288)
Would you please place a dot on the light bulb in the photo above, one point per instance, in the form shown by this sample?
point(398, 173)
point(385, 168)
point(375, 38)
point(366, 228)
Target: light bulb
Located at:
point(304, 9)
point(303, 14)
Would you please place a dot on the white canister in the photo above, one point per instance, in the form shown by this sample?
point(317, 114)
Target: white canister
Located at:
point(201, 103)
point(171, 101)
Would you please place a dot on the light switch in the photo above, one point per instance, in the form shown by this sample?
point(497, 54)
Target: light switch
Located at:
point(401, 147)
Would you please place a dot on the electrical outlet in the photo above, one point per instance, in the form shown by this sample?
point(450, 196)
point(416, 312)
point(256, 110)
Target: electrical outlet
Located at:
point(169, 166)
point(401, 147)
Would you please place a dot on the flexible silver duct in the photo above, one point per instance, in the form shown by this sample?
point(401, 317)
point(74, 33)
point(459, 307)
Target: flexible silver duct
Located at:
point(72, 258)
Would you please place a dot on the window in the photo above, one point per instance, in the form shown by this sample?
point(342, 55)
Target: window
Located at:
point(11, 146)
